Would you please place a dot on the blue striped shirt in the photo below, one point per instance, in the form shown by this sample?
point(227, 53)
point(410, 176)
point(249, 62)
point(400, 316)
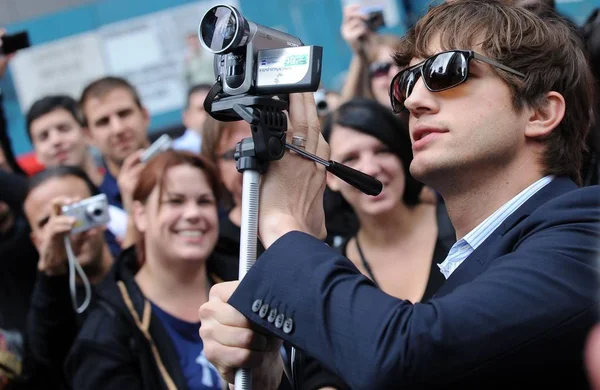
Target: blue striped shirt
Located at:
point(466, 245)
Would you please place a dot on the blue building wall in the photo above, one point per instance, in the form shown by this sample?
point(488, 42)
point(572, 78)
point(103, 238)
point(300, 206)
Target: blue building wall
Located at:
point(316, 22)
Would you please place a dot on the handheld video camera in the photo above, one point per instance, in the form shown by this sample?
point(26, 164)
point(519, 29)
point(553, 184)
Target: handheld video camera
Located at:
point(90, 212)
point(257, 60)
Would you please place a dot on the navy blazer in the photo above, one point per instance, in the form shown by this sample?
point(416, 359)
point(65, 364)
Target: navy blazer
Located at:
point(515, 314)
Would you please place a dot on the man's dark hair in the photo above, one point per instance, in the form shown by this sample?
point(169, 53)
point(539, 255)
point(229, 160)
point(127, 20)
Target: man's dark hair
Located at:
point(104, 86)
point(195, 89)
point(59, 172)
point(48, 104)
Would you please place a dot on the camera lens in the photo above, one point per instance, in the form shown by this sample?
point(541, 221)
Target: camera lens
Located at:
point(94, 212)
point(221, 29)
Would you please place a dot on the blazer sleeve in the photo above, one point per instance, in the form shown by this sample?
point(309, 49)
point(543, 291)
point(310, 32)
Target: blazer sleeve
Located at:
point(373, 340)
point(102, 357)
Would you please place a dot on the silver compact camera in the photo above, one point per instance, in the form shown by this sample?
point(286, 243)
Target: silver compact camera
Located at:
point(90, 212)
point(163, 143)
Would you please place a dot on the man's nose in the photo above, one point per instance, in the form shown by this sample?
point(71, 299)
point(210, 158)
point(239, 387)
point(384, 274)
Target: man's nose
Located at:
point(55, 138)
point(421, 99)
point(117, 124)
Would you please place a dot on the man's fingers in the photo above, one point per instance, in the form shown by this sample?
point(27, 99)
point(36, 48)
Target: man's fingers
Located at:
point(57, 204)
point(314, 125)
point(228, 359)
point(352, 10)
point(223, 291)
point(298, 118)
point(223, 313)
point(322, 149)
point(134, 171)
point(592, 357)
point(232, 336)
point(60, 222)
point(132, 159)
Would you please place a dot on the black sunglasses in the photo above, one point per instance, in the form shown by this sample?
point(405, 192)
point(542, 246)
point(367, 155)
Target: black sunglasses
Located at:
point(440, 72)
point(378, 69)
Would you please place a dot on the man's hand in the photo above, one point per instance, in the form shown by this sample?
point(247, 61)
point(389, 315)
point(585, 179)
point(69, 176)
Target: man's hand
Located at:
point(354, 28)
point(592, 357)
point(230, 343)
point(128, 177)
point(4, 59)
point(53, 258)
point(292, 189)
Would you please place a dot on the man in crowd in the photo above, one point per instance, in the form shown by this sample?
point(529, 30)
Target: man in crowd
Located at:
point(117, 124)
point(498, 131)
point(193, 119)
point(56, 133)
point(52, 323)
point(55, 130)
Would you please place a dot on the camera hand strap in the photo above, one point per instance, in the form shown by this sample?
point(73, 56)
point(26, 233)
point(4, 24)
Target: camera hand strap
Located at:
point(216, 89)
point(73, 268)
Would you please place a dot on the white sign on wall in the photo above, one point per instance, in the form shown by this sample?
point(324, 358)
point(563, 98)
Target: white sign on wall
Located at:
point(60, 67)
point(148, 51)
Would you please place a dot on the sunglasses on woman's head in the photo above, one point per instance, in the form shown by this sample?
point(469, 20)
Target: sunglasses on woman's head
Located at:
point(378, 69)
point(439, 72)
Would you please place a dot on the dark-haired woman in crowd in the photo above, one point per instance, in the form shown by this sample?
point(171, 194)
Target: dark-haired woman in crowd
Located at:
point(395, 224)
point(143, 331)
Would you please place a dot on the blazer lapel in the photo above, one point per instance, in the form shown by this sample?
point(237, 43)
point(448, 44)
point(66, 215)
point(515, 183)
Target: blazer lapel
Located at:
point(478, 260)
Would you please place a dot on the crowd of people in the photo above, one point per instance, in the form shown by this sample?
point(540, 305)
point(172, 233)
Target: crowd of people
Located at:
point(475, 267)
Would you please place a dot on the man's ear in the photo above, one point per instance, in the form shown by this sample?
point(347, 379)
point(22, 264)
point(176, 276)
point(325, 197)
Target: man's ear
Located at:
point(139, 215)
point(547, 117)
point(332, 182)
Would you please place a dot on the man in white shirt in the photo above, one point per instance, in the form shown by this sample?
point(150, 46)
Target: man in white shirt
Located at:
point(193, 119)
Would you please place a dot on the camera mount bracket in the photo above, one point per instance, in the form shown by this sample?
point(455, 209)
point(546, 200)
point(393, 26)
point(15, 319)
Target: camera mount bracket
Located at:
point(268, 123)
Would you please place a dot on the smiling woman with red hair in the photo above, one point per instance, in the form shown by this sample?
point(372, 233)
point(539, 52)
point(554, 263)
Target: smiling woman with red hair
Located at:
point(143, 333)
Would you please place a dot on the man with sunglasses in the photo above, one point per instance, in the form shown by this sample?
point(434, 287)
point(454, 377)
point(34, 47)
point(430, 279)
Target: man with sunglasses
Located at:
point(499, 106)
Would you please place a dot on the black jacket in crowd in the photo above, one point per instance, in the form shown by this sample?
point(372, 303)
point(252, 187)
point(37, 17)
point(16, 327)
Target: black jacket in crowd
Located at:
point(52, 326)
point(117, 348)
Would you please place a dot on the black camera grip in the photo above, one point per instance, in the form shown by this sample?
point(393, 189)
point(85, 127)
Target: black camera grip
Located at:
point(361, 181)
